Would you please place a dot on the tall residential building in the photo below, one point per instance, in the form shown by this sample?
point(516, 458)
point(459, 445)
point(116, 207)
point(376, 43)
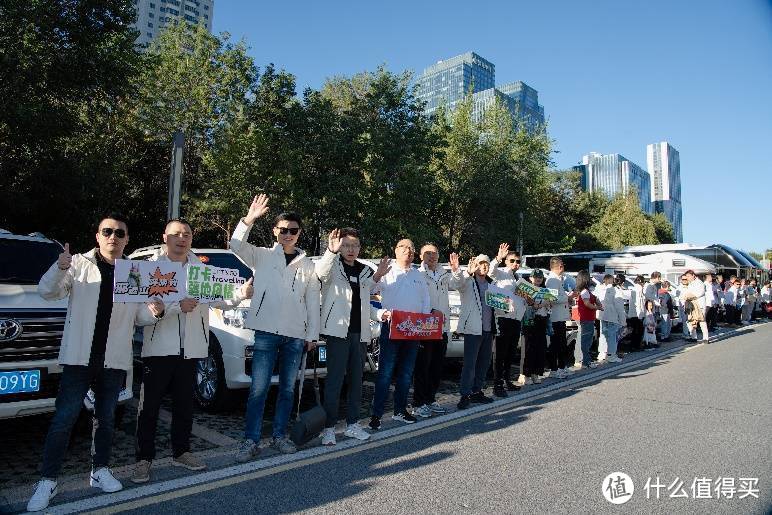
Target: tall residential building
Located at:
point(615, 174)
point(664, 165)
point(448, 82)
point(154, 15)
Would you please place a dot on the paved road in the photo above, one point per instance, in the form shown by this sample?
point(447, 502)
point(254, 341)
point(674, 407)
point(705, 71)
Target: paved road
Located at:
point(702, 412)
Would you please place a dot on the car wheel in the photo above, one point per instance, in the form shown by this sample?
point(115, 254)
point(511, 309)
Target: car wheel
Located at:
point(211, 392)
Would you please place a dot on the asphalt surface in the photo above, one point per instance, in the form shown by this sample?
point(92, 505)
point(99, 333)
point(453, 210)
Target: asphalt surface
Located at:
point(700, 412)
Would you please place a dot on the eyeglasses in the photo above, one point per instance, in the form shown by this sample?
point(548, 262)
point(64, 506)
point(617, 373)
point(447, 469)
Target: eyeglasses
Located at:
point(513, 260)
point(292, 230)
point(108, 231)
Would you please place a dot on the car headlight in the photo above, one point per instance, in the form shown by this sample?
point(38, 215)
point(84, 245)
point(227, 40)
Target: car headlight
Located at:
point(235, 317)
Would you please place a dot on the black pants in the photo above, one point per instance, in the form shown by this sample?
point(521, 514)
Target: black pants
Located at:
point(427, 375)
point(506, 348)
point(595, 341)
point(636, 324)
point(535, 346)
point(711, 317)
point(159, 375)
point(556, 352)
point(345, 359)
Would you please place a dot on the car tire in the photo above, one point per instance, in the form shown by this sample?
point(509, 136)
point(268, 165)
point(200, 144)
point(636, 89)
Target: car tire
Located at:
point(211, 392)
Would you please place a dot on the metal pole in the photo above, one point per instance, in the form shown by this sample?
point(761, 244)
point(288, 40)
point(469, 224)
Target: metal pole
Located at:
point(520, 237)
point(175, 175)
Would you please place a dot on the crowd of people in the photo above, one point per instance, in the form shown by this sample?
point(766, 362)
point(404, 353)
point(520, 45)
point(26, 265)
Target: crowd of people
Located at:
point(296, 301)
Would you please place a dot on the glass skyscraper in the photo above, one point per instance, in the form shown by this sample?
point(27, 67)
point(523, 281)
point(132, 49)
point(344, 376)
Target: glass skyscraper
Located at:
point(447, 82)
point(615, 174)
point(664, 163)
point(155, 15)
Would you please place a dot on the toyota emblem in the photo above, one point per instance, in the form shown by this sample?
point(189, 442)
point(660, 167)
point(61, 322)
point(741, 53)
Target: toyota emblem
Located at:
point(10, 329)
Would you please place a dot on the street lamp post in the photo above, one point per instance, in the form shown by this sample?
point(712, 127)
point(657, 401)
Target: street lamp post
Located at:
point(175, 176)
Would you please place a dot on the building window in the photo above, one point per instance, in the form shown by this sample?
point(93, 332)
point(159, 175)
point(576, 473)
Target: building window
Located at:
point(152, 5)
point(150, 25)
point(149, 34)
point(150, 15)
point(206, 7)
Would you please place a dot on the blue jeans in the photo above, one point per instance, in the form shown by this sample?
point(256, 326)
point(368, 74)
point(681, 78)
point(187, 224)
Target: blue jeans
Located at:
point(608, 335)
point(586, 334)
point(477, 358)
point(267, 348)
point(74, 384)
point(397, 357)
point(665, 325)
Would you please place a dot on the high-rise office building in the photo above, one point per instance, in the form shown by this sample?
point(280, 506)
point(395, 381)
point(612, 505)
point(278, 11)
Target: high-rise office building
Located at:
point(615, 174)
point(448, 82)
point(664, 165)
point(154, 15)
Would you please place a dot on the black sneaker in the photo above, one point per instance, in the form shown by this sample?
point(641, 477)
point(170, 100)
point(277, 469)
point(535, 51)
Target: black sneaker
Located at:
point(464, 402)
point(480, 398)
point(512, 387)
point(375, 423)
point(499, 391)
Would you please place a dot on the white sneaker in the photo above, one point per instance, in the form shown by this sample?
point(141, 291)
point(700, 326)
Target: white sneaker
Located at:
point(44, 492)
point(328, 436)
point(105, 480)
point(424, 411)
point(558, 374)
point(614, 359)
point(593, 364)
point(436, 408)
point(356, 431)
point(536, 379)
point(521, 380)
point(567, 371)
point(527, 380)
point(546, 374)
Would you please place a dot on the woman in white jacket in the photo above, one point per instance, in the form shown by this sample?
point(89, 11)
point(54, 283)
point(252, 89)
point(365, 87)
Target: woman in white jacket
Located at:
point(610, 317)
point(635, 313)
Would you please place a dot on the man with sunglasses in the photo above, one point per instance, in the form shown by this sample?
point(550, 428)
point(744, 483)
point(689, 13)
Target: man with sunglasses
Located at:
point(559, 355)
point(170, 350)
point(285, 315)
point(96, 349)
point(509, 323)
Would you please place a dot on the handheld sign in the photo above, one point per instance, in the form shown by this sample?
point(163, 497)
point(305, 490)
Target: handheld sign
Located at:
point(139, 281)
point(405, 325)
point(527, 290)
point(498, 298)
point(211, 283)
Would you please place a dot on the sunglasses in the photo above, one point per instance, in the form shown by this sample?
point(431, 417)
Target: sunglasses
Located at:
point(108, 231)
point(513, 260)
point(292, 230)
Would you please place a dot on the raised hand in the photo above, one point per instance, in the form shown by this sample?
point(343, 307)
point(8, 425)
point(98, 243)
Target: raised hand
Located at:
point(453, 259)
point(156, 307)
point(65, 258)
point(472, 266)
point(248, 289)
point(386, 316)
point(258, 208)
point(188, 305)
point(503, 251)
point(383, 268)
point(334, 240)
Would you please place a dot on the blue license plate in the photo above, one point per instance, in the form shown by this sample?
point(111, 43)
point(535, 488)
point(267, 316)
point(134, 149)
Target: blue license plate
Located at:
point(322, 353)
point(19, 381)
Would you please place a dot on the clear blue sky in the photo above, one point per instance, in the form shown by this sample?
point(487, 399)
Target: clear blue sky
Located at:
point(612, 76)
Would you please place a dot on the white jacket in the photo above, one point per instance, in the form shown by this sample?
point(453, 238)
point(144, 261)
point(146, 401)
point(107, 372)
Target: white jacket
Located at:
point(470, 319)
point(507, 281)
point(636, 308)
point(438, 292)
point(286, 300)
point(337, 297)
point(695, 291)
point(611, 305)
point(81, 283)
point(561, 311)
point(165, 338)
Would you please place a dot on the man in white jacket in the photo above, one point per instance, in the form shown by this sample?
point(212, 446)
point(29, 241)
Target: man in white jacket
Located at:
point(284, 313)
point(558, 352)
point(96, 348)
point(431, 353)
point(170, 351)
point(346, 314)
point(403, 288)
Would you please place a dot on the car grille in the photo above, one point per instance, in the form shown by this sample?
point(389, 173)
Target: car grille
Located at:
point(41, 335)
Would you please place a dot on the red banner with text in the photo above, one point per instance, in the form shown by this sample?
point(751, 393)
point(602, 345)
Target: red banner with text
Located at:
point(405, 325)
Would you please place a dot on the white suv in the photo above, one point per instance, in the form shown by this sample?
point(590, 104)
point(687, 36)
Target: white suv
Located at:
point(229, 363)
point(31, 329)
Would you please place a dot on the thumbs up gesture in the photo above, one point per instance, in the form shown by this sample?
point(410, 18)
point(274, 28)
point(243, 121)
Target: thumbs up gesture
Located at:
point(65, 258)
point(248, 289)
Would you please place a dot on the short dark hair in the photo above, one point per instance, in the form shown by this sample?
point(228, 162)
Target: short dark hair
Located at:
point(656, 275)
point(608, 276)
point(348, 231)
point(555, 261)
point(513, 253)
point(290, 216)
point(114, 215)
point(179, 220)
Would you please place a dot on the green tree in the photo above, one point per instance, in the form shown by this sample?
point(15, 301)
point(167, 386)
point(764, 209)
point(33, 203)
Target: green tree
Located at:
point(662, 227)
point(623, 223)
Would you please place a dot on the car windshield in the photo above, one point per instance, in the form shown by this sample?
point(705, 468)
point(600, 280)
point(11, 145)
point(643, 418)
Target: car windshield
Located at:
point(225, 260)
point(25, 261)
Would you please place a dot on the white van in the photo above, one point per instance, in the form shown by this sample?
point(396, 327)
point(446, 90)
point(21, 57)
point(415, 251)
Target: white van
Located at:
point(671, 265)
